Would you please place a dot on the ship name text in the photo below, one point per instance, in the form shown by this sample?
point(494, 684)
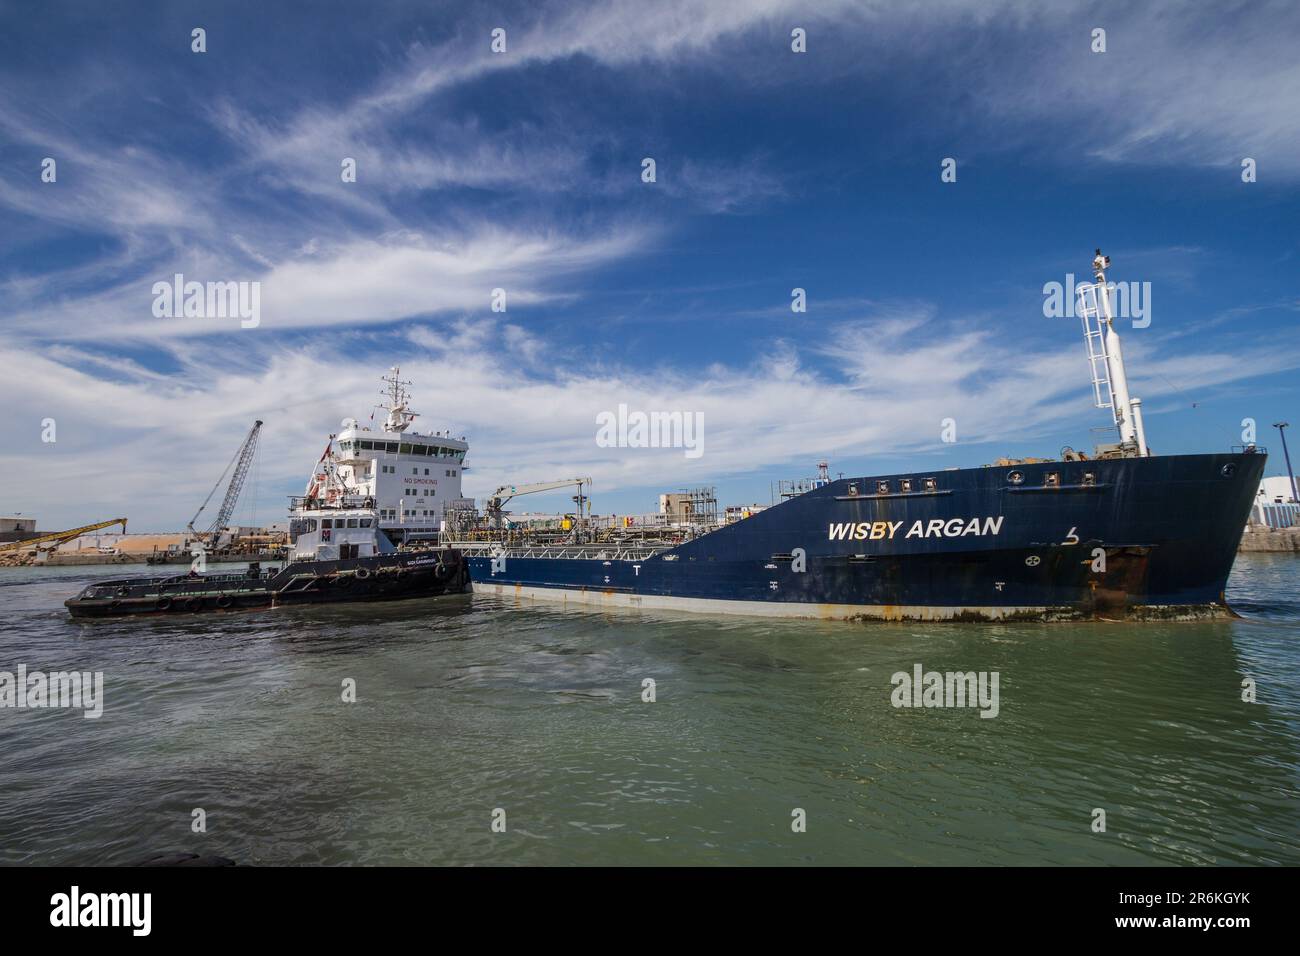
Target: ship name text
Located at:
point(934, 528)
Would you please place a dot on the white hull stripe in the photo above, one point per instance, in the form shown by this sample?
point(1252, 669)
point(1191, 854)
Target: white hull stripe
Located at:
point(883, 612)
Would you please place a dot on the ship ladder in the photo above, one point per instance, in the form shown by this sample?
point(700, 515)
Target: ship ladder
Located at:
point(1094, 339)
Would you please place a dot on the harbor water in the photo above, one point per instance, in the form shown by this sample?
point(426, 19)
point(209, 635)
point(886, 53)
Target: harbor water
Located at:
point(488, 733)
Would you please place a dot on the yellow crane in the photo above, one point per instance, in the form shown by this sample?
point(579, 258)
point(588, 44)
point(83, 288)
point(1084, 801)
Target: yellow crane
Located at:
point(60, 537)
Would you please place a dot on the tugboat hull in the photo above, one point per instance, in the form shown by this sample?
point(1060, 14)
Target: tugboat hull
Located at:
point(389, 577)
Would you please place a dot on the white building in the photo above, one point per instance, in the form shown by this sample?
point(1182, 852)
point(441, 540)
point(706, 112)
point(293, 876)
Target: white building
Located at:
point(1275, 503)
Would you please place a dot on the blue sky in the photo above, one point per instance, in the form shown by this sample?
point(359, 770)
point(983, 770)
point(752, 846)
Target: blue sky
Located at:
point(521, 170)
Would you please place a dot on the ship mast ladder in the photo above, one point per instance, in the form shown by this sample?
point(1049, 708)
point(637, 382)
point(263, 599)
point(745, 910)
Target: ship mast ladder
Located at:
point(1094, 339)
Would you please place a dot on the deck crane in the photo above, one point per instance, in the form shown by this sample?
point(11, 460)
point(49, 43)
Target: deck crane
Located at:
point(498, 498)
point(240, 463)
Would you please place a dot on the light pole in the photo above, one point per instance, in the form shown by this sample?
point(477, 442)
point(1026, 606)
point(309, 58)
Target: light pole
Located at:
point(1287, 455)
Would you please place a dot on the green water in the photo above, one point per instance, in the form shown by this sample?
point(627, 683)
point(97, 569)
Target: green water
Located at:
point(468, 705)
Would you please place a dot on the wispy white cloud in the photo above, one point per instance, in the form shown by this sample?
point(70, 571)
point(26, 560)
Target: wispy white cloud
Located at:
point(881, 387)
point(343, 262)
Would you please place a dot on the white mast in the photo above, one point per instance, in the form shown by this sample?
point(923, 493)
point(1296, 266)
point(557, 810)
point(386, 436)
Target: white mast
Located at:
point(1107, 357)
point(399, 414)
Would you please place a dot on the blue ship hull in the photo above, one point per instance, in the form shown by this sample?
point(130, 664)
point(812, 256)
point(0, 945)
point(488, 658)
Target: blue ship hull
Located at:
point(1107, 538)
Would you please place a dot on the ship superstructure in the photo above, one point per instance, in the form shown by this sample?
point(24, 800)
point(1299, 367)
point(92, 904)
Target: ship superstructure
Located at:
point(377, 488)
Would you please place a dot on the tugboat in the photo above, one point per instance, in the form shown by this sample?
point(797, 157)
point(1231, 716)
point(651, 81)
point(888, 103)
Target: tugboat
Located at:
point(366, 529)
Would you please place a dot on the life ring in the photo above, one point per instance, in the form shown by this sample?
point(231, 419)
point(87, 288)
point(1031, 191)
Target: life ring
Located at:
point(224, 600)
point(164, 604)
point(362, 573)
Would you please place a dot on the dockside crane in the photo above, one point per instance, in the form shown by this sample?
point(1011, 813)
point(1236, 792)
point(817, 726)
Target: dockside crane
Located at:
point(240, 463)
point(61, 537)
point(498, 498)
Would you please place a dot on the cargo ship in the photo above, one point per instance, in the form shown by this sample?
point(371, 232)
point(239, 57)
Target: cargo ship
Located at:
point(1119, 534)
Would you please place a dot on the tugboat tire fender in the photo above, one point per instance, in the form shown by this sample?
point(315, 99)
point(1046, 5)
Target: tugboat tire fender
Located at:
point(164, 604)
point(224, 600)
point(362, 573)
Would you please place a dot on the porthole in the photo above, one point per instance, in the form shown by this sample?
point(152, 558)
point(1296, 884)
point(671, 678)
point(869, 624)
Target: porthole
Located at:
point(1229, 469)
point(1016, 477)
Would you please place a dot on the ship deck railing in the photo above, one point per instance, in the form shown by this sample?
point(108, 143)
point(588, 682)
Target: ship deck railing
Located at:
point(582, 552)
point(338, 503)
point(235, 581)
